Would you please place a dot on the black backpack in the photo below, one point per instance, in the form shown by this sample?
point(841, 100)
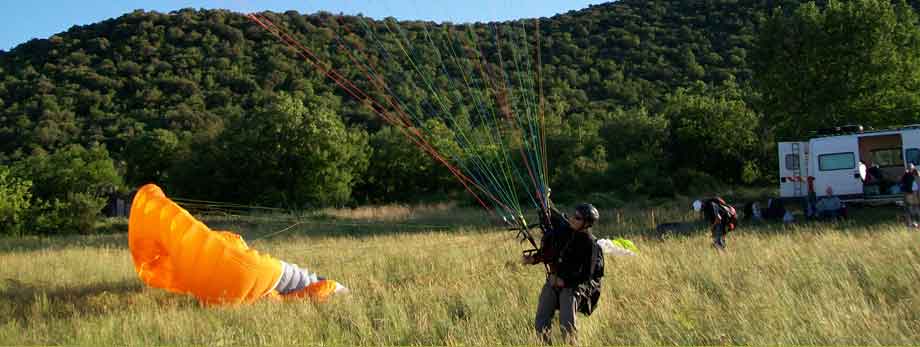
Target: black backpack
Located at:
point(587, 294)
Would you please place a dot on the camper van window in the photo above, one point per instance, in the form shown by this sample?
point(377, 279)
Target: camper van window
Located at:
point(888, 157)
point(912, 155)
point(792, 162)
point(836, 161)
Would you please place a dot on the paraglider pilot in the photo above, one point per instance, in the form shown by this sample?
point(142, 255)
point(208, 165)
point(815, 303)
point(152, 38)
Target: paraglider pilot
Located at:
point(567, 248)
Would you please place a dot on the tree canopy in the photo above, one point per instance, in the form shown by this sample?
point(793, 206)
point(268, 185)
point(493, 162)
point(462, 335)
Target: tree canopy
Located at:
point(847, 62)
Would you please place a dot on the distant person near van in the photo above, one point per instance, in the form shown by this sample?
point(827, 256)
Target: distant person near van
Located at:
point(908, 185)
point(915, 207)
point(830, 206)
point(721, 217)
point(776, 209)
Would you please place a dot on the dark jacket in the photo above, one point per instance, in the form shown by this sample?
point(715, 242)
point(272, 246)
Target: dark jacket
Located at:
point(907, 182)
point(567, 252)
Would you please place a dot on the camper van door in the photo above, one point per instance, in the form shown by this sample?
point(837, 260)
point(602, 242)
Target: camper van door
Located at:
point(835, 164)
point(793, 171)
point(911, 144)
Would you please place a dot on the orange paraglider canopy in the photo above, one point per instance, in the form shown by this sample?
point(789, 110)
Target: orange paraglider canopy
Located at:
point(174, 251)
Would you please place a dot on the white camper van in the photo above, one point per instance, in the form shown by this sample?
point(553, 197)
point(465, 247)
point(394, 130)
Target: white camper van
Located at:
point(832, 159)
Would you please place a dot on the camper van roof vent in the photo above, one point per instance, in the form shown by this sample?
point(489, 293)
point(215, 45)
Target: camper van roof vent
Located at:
point(843, 129)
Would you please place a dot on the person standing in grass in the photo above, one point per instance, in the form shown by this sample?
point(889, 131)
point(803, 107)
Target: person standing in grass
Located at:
point(915, 188)
point(574, 264)
point(721, 217)
point(908, 188)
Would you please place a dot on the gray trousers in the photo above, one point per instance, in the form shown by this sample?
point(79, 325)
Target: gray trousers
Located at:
point(718, 235)
point(552, 299)
point(911, 208)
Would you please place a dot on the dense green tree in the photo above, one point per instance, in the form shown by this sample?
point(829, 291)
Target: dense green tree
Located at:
point(69, 188)
point(844, 62)
point(293, 151)
point(639, 160)
point(15, 200)
point(401, 171)
point(71, 169)
point(713, 130)
point(575, 149)
point(150, 156)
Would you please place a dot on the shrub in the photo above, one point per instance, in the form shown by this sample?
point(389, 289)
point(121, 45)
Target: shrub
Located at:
point(68, 188)
point(76, 213)
point(14, 202)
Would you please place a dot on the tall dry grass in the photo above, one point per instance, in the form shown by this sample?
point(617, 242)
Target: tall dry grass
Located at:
point(851, 282)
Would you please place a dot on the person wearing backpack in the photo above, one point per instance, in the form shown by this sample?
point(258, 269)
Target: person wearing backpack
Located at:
point(721, 217)
point(571, 255)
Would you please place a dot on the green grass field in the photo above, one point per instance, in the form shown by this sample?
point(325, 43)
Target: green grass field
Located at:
point(438, 275)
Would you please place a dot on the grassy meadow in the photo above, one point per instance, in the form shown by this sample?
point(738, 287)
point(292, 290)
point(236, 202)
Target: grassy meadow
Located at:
point(440, 275)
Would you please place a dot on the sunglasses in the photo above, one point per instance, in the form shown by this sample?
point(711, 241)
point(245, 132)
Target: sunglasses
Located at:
point(577, 217)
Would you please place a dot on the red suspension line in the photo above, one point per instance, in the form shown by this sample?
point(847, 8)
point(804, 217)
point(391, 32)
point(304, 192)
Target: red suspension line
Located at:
point(353, 90)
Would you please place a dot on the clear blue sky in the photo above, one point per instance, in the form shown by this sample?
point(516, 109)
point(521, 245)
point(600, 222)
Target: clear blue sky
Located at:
point(23, 20)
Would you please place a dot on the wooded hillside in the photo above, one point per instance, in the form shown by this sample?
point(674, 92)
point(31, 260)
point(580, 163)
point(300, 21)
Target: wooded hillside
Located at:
point(644, 98)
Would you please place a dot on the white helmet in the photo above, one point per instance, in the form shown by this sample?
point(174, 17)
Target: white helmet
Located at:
point(697, 205)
